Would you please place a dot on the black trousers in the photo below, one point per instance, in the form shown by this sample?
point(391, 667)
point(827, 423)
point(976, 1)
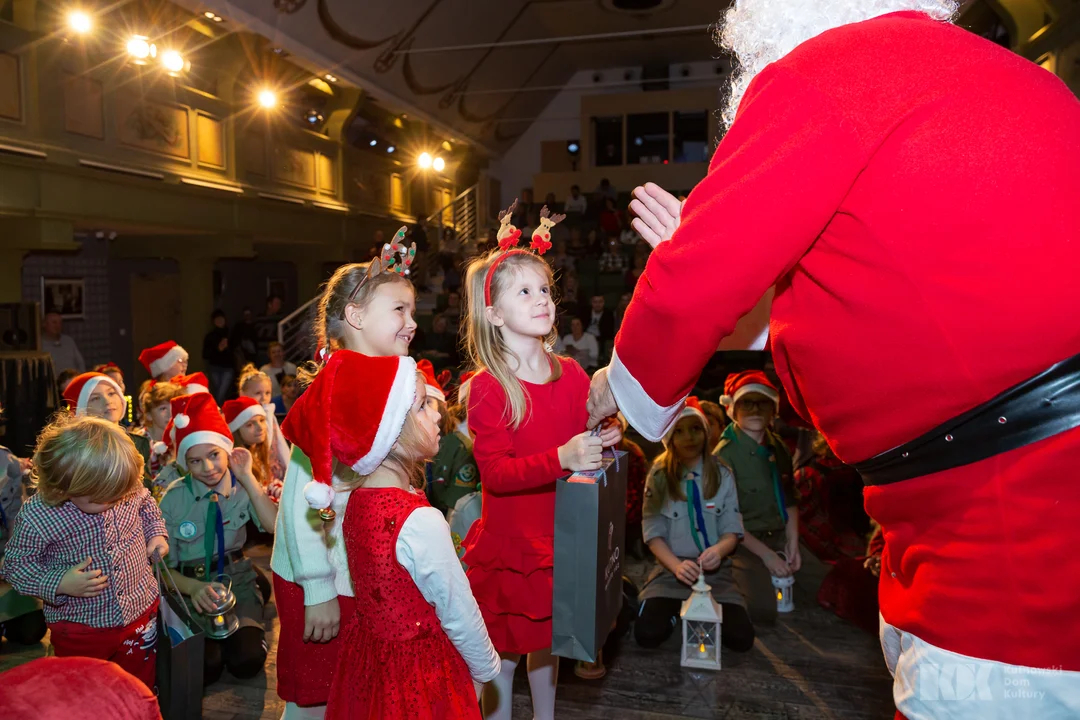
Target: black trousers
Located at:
point(26, 629)
point(660, 616)
point(243, 653)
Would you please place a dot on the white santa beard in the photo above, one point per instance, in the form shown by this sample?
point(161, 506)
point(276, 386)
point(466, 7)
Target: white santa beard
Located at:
point(759, 32)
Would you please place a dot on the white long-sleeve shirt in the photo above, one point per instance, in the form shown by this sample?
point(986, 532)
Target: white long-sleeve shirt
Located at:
point(424, 548)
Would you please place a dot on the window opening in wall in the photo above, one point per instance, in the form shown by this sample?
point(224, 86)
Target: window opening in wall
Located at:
point(691, 136)
point(607, 141)
point(647, 139)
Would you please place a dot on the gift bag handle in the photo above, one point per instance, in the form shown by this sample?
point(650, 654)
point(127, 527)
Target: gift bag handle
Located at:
point(170, 586)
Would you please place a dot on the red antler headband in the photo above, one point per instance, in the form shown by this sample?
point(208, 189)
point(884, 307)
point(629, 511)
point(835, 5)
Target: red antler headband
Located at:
point(389, 260)
point(508, 236)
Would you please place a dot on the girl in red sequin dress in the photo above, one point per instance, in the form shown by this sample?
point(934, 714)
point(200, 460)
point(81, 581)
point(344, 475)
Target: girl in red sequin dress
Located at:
point(416, 646)
point(527, 415)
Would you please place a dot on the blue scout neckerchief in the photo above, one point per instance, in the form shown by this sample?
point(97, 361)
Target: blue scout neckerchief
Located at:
point(213, 517)
point(696, 512)
point(762, 450)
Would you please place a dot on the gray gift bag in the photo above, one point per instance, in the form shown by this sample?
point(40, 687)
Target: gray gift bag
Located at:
point(590, 534)
point(180, 648)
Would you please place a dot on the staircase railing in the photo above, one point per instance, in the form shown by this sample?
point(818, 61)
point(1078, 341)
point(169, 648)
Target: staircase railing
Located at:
point(461, 215)
point(294, 332)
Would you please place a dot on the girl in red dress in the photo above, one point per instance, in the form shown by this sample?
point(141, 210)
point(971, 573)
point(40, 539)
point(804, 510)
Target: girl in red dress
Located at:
point(527, 416)
point(416, 642)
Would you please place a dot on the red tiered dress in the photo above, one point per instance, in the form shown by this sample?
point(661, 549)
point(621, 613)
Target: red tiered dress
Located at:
point(396, 661)
point(509, 550)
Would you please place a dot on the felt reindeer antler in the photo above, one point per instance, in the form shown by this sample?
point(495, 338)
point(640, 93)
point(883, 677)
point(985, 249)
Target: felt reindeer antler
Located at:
point(395, 258)
point(508, 234)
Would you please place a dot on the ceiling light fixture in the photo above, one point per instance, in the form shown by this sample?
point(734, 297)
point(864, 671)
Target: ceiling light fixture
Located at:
point(174, 62)
point(330, 77)
point(79, 21)
point(267, 98)
point(424, 161)
point(439, 164)
point(141, 49)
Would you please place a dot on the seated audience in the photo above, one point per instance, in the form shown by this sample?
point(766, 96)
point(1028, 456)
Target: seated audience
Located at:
point(634, 273)
point(580, 346)
point(440, 346)
point(576, 203)
point(290, 390)
point(599, 321)
point(612, 261)
point(277, 367)
point(610, 219)
point(559, 259)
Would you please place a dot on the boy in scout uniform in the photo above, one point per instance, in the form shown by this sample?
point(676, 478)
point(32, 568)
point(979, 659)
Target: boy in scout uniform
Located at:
point(765, 483)
point(205, 512)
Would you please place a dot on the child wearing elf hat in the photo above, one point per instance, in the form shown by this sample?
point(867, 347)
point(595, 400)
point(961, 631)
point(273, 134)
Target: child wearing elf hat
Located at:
point(691, 522)
point(247, 421)
point(97, 395)
point(452, 474)
point(416, 641)
point(164, 361)
point(206, 512)
point(765, 482)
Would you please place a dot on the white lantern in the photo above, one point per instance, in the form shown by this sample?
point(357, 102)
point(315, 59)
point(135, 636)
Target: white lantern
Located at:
point(701, 620)
point(785, 600)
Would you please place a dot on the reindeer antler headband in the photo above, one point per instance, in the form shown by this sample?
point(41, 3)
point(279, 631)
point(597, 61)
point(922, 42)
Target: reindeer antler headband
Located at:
point(395, 258)
point(508, 239)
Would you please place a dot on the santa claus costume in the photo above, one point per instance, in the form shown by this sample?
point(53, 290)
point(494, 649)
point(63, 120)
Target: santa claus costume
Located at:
point(906, 187)
point(416, 640)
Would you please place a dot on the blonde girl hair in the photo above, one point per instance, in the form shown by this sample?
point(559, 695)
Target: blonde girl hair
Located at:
point(158, 394)
point(329, 327)
point(667, 476)
point(249, 373)
point(82, 456)
point(484, 343)
point(408, 456)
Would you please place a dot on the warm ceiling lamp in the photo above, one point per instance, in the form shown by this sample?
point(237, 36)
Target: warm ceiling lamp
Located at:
point(439, 164)
point(141, 49)
point(79, 21)
point(424, 161)
point(267, 98)
point(173, 62)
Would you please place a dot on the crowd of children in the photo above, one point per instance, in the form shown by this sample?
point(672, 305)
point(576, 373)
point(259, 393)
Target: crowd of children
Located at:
point(384, 612)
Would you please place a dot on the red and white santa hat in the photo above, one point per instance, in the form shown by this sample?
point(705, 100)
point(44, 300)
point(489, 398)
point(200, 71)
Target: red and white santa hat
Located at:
point(193, 383)
point(743, 383)
point(78, 391)
point(161, 357)
point(692, 408)
point(434, 387)
point(238, 412)
point(352, 412)
point(196, 420)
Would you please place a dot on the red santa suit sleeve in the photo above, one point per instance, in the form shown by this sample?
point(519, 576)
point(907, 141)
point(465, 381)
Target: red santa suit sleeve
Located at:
point(774, 183)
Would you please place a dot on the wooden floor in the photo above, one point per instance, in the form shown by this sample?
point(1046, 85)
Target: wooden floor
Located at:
point(810, 665)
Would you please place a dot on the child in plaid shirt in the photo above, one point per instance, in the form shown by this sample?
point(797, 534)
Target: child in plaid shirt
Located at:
point(84, 542)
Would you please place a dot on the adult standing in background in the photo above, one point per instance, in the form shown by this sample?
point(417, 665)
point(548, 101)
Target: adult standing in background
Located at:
point(62, 348)
point(244, 340)
point(909, 189)
point(218, 355)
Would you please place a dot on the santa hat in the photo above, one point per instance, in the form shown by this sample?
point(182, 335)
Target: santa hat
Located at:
point(434, 387)
point(161, 357)
point(193, 383)
point(105, 367)
point(352, 412)
point(238, 412)
point(78, 391)
point(691, 409)
point(196, 421)
point(749, 381)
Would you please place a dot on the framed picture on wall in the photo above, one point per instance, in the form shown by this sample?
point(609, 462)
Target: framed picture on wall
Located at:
point(64, 296)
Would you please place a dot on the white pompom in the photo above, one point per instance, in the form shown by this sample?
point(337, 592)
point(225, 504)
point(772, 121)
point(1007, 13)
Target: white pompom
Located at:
point(727, 400)
point(318, 495)
point(181, 421)
point(160, 448)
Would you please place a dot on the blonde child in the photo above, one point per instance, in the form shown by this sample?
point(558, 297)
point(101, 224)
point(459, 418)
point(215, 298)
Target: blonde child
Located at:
point(691, 524)
point(164, 361)
point(97, 395)
point(255, 384)
point(367, 309)
point(415, 643)
point(452, 472)
point(156, 404)
point(247, 421)
point(91, 515)
point(206, 512)
point(527, 416)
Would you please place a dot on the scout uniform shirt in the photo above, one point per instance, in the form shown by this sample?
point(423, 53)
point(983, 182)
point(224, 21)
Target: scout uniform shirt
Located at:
point(688, 532)
point(453, 471)
point(763, 474)
point(195, 538)
point(12, 494)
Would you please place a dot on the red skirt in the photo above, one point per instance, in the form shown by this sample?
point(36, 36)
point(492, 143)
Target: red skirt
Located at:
point(305, 670)
point(133, 647)
point(511, 579)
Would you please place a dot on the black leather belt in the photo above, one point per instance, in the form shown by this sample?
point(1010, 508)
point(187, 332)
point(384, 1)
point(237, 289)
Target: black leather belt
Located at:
point(1038, 408)
point(197, 569)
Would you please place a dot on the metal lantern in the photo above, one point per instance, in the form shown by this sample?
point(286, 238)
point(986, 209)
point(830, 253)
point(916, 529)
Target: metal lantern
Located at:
point(785, 600)
point(222, 620)
point(701, 620)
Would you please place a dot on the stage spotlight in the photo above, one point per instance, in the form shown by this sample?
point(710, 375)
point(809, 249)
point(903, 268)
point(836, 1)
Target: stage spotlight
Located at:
point(267, 98)
point(424, 161)
point(391, 149)
point(573, 147)
point(439, 164)
point(174, 62)
point(373, 143)
point(141, 49)
point(79, 21)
